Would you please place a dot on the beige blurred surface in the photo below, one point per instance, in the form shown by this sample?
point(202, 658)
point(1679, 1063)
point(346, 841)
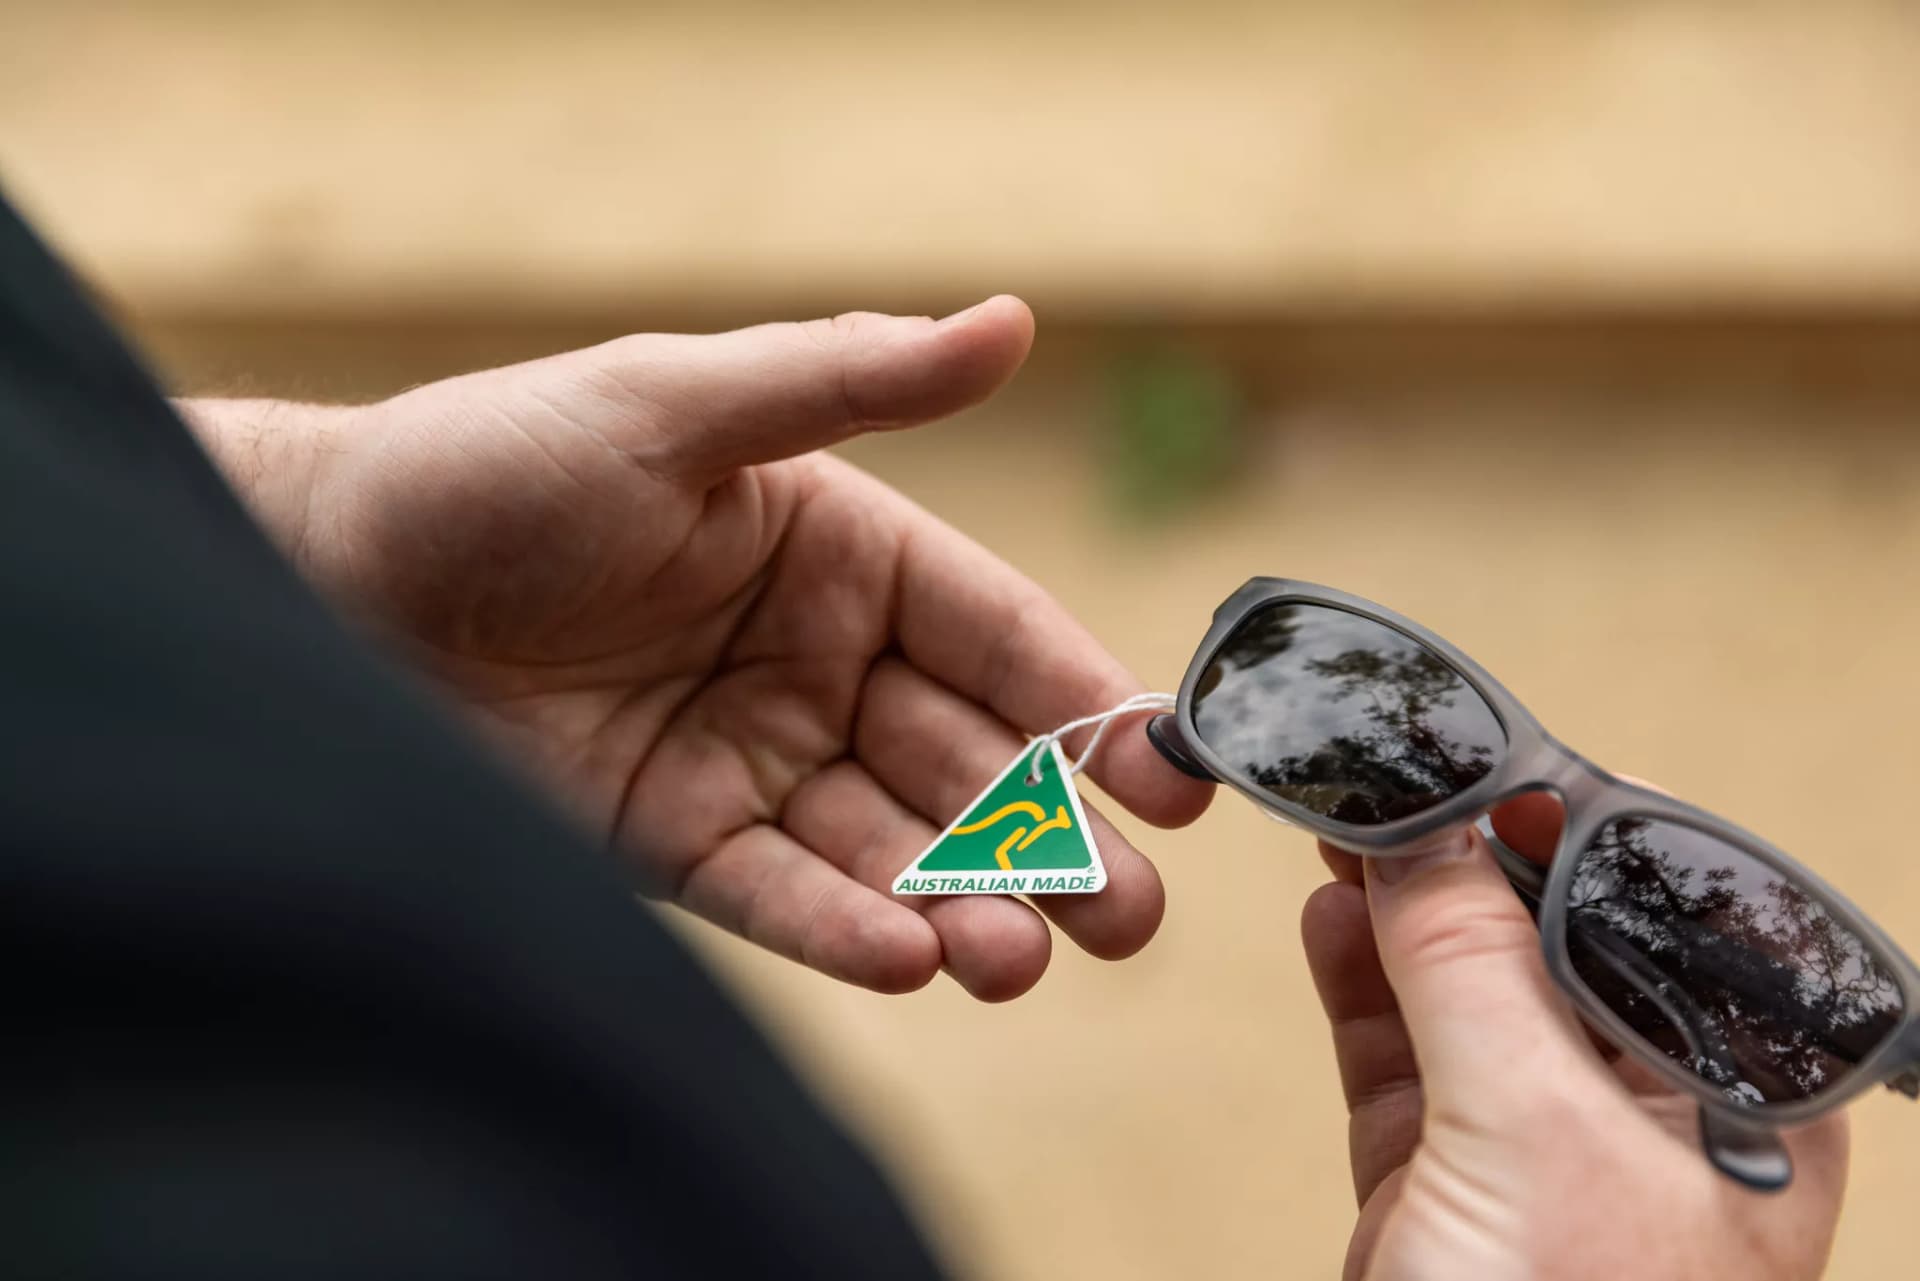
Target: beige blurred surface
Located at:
point(261, 155)
point(1587, 334)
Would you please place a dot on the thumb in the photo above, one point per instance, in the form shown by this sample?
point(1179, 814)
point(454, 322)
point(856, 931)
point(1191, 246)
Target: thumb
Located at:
point(1463, 958)
point(776, 391)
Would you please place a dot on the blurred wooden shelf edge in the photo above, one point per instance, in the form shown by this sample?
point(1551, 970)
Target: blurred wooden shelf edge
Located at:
point(1835, 361)
point(584, 167)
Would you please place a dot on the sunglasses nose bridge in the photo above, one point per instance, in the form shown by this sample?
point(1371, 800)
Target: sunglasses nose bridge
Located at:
point(1558, 770)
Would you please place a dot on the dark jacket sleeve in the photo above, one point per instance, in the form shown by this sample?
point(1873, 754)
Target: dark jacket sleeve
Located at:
point(300, 983)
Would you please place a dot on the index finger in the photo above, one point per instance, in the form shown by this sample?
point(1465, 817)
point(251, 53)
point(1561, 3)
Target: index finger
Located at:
point(989, 633)
point(1378, 1073)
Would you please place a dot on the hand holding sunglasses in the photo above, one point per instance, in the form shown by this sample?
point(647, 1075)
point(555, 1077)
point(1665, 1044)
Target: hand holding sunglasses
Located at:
point(1487, 1136)
point(1730, 971)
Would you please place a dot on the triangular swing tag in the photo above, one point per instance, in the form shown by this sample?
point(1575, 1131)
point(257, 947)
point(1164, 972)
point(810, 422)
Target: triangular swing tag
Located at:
point(1018, 837)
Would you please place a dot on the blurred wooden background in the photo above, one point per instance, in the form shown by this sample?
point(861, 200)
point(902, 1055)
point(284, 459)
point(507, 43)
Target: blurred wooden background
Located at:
point(1588, 334)
point(1216, 156)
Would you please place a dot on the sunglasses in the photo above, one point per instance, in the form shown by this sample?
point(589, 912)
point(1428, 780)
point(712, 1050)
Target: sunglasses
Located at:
point(1735, 973)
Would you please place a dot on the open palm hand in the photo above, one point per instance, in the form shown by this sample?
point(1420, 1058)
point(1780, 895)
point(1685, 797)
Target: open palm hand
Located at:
point(768, 674)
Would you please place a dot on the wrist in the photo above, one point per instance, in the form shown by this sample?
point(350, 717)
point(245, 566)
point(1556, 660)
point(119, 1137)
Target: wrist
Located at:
point(276, 456)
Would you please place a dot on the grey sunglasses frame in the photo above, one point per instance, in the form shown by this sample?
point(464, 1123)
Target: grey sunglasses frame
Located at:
point(1740, 1139)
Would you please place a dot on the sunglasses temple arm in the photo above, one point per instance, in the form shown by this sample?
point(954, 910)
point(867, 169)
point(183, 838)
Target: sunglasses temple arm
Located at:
point(1619, 956)
point(1750, 1155)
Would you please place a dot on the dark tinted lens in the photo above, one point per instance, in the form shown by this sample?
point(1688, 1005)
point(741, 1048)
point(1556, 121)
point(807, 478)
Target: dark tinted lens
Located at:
point(1344, 716)
point(1723, 964)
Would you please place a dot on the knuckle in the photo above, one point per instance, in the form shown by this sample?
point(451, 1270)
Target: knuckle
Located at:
point(1453, 935)
point(839, 341)
point(839, 330)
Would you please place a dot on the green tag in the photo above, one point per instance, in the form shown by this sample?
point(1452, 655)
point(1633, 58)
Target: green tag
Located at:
point(1016, 838)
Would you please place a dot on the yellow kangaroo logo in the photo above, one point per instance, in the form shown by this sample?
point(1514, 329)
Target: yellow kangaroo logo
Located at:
point(1020, 837)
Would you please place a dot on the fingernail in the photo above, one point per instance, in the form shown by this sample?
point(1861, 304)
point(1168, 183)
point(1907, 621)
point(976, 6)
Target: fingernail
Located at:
point(1444, 847)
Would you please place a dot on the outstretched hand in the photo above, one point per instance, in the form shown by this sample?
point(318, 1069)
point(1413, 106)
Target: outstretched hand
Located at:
point(771, 677)
point(1489, 1136)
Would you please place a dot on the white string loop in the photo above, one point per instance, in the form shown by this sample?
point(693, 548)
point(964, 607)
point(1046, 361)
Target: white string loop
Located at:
point(1138, 703)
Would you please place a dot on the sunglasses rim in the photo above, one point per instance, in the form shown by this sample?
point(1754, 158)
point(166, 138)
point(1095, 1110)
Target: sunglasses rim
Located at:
point(1592, 797)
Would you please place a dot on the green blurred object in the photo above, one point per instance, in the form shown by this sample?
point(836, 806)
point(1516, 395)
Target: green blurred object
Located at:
point(1175, 418)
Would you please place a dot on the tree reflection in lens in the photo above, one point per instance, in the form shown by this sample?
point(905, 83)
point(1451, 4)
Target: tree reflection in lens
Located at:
point(1722, 964)
point(1343, 715)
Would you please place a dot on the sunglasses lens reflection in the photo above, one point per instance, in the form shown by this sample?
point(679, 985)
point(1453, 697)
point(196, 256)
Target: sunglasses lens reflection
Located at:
point(1344, 716)
point(1723, 964)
